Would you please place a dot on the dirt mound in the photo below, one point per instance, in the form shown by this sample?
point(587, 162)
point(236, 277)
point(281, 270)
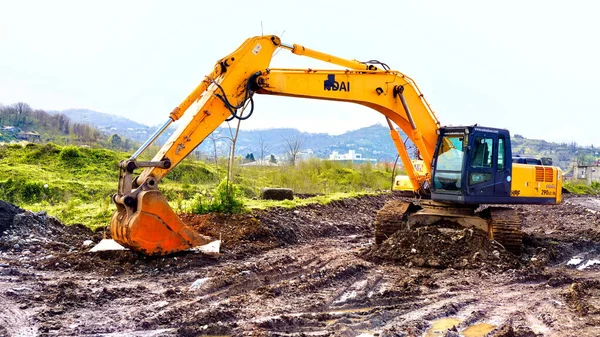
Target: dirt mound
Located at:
point(7, 214)
point(238, 232)
point(40, 233)
point(275, 227)
point(37, 240)
point(563, 221)
point(442, 247)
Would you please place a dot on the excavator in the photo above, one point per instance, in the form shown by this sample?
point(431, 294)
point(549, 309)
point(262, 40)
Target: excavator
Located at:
point(464, 167)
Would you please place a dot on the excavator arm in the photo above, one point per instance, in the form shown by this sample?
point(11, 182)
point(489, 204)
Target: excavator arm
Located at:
point(144, 221)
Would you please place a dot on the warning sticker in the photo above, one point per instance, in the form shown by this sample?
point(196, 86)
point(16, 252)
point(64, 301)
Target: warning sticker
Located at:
point(257, 49)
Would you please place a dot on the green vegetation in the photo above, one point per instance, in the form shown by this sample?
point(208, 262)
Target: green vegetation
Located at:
point(578, 187)
point(319, 199)
point(75, 183)
point(316, 176)
point(225, 198)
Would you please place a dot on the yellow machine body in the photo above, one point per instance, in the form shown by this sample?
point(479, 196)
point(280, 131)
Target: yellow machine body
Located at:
point(536, 181)
point(402, 182)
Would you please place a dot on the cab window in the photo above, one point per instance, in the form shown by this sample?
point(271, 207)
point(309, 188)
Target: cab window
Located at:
point(482, 152)
point(501, 154)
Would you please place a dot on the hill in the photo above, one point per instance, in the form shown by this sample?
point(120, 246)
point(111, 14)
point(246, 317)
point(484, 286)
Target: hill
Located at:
point(20, 122)
point(108, 124)
point(371, 142)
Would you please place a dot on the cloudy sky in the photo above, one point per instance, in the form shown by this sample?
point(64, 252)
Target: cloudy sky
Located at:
point(529, 66)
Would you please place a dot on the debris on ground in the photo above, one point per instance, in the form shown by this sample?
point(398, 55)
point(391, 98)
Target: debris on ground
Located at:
point(312, 270)
point(443, 247)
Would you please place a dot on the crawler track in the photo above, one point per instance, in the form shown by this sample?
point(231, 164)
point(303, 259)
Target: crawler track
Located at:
point(506, 228)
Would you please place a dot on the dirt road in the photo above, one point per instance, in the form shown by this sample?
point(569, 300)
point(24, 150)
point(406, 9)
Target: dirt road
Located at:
point(312, 271)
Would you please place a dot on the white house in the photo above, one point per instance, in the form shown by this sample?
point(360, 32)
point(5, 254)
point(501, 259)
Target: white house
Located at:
point(351, 156)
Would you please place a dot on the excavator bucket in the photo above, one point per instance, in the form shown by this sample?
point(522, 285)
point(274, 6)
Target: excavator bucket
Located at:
point(154, 228)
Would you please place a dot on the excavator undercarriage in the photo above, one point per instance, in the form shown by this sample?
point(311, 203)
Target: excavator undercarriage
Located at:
point(501, 224)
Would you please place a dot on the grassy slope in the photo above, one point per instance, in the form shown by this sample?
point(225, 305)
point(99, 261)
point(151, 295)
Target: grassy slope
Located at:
point(577, 187)
point(75, 183)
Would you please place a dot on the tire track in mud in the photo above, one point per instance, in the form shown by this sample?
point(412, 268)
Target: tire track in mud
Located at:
point(312, 285)
point(14, 321)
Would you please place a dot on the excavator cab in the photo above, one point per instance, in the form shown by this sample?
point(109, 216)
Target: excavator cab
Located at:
point(470, 165)
point(473, 165)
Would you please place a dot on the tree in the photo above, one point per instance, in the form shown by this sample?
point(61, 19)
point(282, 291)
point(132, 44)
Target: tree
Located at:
point(214, 136)
point(22, 110)
point(272, 159)
point(263, 147)
point(250, 157)
point(293, 144)
point(115, 141)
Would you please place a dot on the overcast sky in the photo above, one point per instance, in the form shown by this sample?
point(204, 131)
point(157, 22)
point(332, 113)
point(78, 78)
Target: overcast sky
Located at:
point(529, 66)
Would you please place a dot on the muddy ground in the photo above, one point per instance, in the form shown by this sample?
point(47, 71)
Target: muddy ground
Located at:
point(310, 271)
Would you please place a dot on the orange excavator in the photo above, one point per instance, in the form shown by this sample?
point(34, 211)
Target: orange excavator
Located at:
point(463, 166)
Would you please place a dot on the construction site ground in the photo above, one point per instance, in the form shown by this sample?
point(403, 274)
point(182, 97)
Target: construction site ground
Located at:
point(309, 271)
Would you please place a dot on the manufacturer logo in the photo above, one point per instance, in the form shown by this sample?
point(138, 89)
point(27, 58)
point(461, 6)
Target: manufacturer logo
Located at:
point(332, 85)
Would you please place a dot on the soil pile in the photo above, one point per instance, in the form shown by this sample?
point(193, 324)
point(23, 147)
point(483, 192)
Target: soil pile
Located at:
point(442, 247)
point(563, 221)
point(38, 240)
point(240, 233)
point(584, 297)
point(276, 227)
point(28, 232)
point(7, 214)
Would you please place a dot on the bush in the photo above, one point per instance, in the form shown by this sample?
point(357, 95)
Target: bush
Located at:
point(20, 190)
point(40, 153)
point(225, 198)
point(189, 173)
point(69, 155)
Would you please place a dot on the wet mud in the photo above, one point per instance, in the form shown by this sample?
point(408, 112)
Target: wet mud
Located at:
point(309, 271)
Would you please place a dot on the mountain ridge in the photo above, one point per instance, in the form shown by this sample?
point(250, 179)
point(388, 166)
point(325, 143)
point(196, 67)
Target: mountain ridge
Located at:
point(370, 141)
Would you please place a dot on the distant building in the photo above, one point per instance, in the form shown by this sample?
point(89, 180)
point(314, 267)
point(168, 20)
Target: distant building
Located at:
point(260, 163)
point(304, 155)
point(588, 173)
point(30, 136)
point(11, 129)
point(351, 157)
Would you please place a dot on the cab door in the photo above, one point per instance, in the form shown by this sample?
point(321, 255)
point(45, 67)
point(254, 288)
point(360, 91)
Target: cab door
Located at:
point(481, 168)
point(503, 167)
